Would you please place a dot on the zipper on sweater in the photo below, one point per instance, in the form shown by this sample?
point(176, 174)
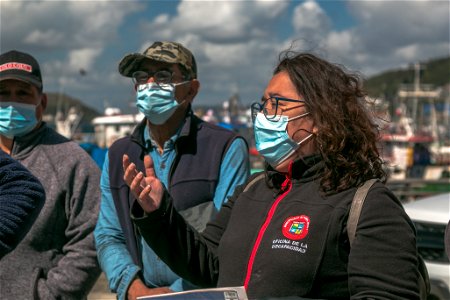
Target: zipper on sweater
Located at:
point(286, 186)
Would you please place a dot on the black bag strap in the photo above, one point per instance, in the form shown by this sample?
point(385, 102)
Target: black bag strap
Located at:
point(253, 181)
point(352, 223)
point(355, 210)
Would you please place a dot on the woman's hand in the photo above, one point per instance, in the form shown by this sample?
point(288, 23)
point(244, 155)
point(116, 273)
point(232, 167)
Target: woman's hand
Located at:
point(147, 190)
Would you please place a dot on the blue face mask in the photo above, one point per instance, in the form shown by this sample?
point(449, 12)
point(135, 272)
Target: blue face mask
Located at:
point(17, 119)
point(157, 101)
point(272, 139)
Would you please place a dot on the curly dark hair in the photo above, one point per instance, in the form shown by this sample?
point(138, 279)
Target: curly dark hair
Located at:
point(347, 135)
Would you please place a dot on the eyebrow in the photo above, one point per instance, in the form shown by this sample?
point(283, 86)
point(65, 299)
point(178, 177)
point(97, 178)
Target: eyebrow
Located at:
point(276, 95)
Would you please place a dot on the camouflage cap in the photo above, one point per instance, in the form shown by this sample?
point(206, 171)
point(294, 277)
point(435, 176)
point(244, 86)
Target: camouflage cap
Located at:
point(169, 52)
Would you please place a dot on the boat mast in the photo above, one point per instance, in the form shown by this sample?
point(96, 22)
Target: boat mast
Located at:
point(420, 91)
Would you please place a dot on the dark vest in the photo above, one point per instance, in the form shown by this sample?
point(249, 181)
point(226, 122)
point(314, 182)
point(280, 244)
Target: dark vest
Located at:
point(193, 176)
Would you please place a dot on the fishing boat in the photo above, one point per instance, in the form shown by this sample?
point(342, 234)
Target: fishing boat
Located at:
point(113, 125)
point(414, 145)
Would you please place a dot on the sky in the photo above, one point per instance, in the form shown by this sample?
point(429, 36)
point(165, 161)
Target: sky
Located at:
point(236, 43)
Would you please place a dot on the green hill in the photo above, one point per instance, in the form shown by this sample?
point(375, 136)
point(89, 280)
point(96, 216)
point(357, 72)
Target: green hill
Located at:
point(435, 72)
point(63, 103)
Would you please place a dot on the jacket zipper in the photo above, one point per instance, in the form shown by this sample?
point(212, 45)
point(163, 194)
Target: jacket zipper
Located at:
point(262, 230)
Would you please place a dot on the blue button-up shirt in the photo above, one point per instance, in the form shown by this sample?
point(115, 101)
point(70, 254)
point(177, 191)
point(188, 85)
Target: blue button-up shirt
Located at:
point(113, 255)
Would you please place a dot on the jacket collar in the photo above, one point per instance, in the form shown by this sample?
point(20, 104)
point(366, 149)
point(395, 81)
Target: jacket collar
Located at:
point(302, 170)
point(186, 130)
point(308, 167)
point(23, 145)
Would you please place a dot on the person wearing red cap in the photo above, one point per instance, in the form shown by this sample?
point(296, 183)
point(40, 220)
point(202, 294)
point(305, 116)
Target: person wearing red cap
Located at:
point(57, 258)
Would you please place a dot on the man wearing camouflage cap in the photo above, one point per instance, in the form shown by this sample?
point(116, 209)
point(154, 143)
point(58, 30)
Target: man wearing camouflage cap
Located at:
point(198, 163)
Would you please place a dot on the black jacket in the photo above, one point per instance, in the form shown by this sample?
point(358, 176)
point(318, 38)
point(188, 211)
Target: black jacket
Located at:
point(292, 241)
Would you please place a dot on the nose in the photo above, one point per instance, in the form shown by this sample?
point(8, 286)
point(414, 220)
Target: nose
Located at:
point(150, 79)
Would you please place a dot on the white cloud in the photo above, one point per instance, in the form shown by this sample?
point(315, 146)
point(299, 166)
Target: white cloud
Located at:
point(391, 34)
point(55, 25)
point(50, 37)
point(162, 19)
point(236, 43)
point(219, 21)
point(386, 26)
point(341, 42)
point(83, 58)
point(309, 18)
point(66, 36)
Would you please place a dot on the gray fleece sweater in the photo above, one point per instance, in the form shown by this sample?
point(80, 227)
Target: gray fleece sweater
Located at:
point(57, 258)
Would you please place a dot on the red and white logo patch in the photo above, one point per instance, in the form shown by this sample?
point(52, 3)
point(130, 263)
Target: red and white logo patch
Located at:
point(16, 66)
point(296, 228)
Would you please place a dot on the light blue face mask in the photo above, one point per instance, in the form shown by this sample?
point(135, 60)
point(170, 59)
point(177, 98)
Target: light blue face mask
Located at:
point(157, 101)
point(272, 139)
point(17, 119)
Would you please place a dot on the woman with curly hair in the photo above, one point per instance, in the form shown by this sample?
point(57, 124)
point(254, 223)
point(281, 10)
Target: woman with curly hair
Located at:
point(284, 233)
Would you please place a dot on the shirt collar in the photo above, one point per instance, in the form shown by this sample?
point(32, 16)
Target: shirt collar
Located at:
point(183, 130)
point(150, 142)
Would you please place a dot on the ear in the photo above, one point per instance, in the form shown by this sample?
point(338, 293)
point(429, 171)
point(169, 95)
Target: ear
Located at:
point(315, 130)
point(193, 90)
point(44, 101)
point(41, 108)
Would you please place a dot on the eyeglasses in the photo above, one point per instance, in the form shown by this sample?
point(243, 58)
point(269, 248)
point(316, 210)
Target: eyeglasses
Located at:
point(272, 108)
point(162, 76)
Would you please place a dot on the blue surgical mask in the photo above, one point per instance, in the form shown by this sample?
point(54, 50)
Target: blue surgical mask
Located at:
point(157, 101)
point(17, 119)
point(272, 139)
